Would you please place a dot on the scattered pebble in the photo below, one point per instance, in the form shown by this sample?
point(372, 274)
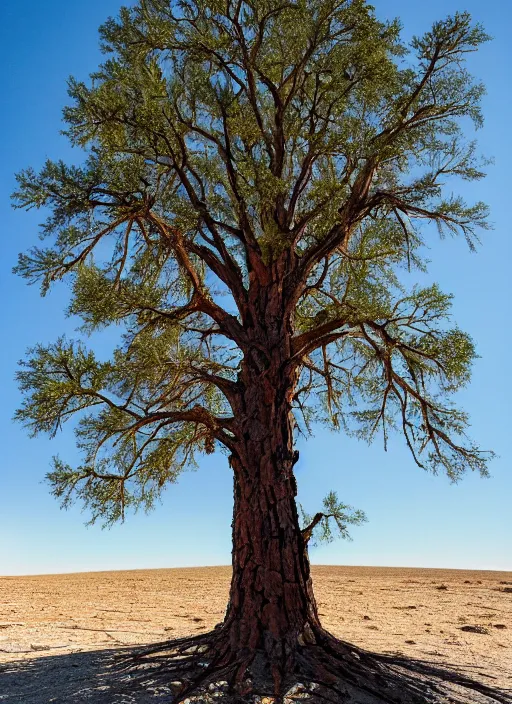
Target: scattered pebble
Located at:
point(298, 688)
point(475, 629)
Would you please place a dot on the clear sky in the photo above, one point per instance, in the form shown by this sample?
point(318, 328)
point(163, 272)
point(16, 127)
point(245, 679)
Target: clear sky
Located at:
point(414, 519)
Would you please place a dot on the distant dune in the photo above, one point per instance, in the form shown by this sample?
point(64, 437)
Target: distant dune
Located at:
point(452, 616)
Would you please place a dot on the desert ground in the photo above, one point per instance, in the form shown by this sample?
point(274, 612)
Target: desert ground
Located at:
point(57, 632)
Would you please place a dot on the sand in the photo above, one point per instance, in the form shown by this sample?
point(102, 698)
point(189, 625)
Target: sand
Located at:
point(421, 613)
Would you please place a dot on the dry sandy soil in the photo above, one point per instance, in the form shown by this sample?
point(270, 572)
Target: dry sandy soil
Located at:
point(58, 632)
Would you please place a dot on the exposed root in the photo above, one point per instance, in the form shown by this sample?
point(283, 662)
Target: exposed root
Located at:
point(204, 668)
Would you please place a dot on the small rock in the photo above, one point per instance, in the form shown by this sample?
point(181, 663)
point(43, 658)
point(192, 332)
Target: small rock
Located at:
point(411, 642)
point(366, 618)
point(36, 646)
point(499, 625)
point(296, 689)
point(475, 629)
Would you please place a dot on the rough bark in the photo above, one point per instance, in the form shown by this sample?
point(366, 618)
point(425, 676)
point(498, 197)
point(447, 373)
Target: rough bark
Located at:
point(271, 608)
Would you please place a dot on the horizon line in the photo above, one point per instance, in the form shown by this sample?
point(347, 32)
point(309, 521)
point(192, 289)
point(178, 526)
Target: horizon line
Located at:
point(227, 566)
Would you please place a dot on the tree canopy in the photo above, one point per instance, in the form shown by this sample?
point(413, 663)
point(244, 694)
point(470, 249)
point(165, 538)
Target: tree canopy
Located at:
point(232, 146)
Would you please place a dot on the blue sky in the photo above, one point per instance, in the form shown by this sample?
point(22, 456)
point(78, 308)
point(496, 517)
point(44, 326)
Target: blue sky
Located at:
point(414, 519)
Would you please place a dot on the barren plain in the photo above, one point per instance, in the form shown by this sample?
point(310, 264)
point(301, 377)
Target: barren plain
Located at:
point(57, 632)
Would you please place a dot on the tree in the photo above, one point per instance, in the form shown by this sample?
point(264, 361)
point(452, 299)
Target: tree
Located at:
point(259, 178)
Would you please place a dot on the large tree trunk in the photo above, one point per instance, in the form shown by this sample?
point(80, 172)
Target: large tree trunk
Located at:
point(271, 609)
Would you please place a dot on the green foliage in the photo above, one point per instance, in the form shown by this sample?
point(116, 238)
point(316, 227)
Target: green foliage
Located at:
point(135, 428)
point(395, 368)
point(237, 152)
point(332, 522)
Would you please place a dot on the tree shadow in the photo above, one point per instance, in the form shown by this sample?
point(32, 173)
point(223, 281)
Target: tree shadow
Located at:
point(87, 676)
point(128, 676)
